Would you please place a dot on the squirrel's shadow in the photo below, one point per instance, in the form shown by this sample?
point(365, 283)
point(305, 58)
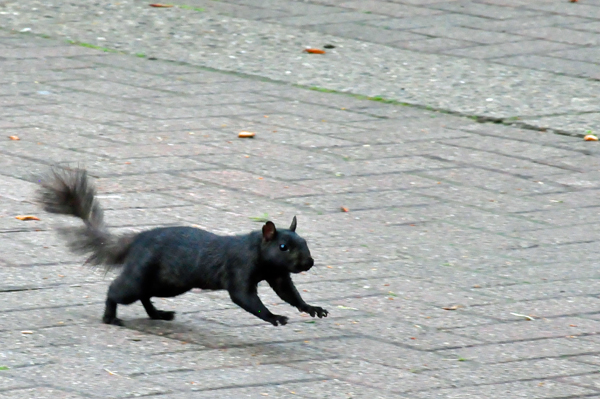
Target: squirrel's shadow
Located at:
point(184, 332)
point(214, 337)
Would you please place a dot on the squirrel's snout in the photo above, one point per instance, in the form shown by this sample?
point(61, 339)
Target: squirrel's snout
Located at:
point(308, 264)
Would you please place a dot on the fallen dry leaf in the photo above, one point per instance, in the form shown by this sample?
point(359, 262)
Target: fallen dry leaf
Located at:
point(158, 5)
point(573, 1)
point(344, 209)
point(27, 217)
point(523, 315)
point(590, 137)
point(314, 51)
point(26, 332)
point(453, 307)
point(14, 137)
point(245, 135)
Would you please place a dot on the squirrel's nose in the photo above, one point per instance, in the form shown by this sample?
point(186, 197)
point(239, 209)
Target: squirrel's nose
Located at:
point(311, 262)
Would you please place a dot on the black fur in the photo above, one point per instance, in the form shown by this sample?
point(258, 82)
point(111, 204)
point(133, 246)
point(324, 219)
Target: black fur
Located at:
point(168, 261)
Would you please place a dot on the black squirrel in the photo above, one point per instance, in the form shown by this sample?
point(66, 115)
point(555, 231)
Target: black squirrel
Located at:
point(168, 261)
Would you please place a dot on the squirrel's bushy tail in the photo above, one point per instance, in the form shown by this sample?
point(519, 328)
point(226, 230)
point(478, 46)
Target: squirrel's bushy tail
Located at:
point(70, 192)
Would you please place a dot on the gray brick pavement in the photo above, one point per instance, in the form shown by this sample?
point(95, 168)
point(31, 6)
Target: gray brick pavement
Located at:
point(444, 212)
point(514, 39)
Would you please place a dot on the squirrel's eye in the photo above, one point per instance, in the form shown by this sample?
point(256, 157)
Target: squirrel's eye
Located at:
point(283, 247)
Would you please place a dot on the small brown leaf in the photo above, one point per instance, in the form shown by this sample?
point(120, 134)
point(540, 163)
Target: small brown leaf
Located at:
point(245, 135)
point(14, 137)
point(314, 51)
point(453, 307)
point(158, 5)
point(27, 217)
point(344, 209)
point(590, 137)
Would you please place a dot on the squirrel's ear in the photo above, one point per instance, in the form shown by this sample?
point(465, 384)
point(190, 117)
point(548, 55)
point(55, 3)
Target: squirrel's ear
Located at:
point(293, 225)
point(269, 231)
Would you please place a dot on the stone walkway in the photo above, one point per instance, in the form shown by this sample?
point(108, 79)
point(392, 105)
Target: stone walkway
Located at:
point(466, 265)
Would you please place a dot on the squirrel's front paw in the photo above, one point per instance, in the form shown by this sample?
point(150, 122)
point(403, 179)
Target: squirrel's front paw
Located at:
point(315, 311)
point(277, 320)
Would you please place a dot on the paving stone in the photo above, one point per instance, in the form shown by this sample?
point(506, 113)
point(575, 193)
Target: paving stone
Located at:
point(484, 10)
point(580, 124)
point(584, 381)
point(318, 112)
point(102, 384)
point(52, 51)
point(508, 49)
point(373, 352)
point(527, 329)
point(498, 373)
point(586, 26)
point(391, 9)
point(354, 371)
point(138, 64)
point(563, 347)
point(402, 333)
point(562, 35)
point(468, 34)
point(367, 33)
point(514, 24)
point(326, 17)
point(249, 182)
point(446, 19)
point(239, 10)
point(527, 389)
point(583, 10)
point(291, 7)
point(376, 166)
point(32, 66)
point(42, 393)
point(108, 88)
point(542, 308)
point(588, 54)
point(433, 45)
point(8, 384)
point(566, 217)
point(316, 389)
point(546, 290)
point(576, 68)
point(493, 181)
